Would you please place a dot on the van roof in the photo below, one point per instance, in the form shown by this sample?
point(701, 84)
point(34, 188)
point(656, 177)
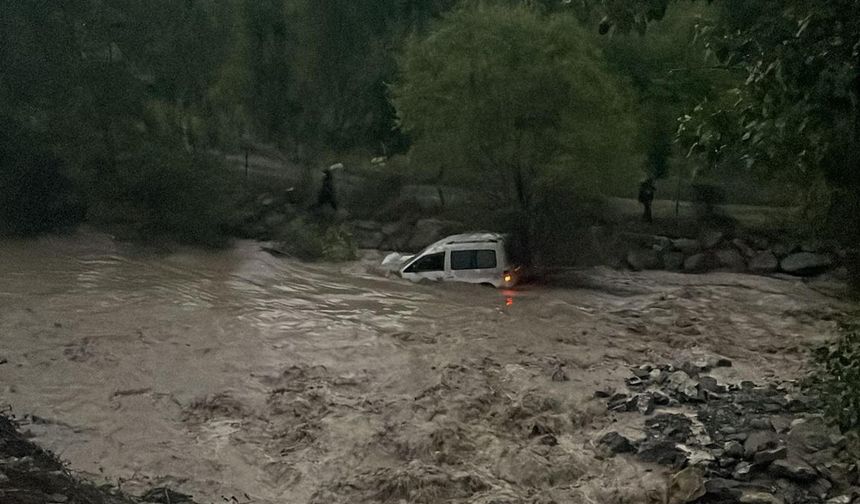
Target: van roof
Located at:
point(478, 237)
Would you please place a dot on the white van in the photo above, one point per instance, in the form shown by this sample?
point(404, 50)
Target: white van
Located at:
point(479, 258)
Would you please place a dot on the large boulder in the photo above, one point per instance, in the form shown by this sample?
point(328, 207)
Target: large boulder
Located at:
point(730, 259)
point(764, 262)
point(687, 246)
point(686, 486)
point(805, 263)
point(673, 261)
point(427, 231)
point(784, 249)
point(367, 234)
point(711, 238)
point(743, 248)
point(698, 263)
point(643, 259)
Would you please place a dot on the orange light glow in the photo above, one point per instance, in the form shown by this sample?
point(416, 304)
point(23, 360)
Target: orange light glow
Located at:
point(509, 301)
point(508, 278)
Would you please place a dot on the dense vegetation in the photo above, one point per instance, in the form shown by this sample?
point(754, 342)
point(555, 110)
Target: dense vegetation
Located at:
point(112, 111)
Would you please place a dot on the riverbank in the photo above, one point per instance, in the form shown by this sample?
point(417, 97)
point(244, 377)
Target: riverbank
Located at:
point(31, 475)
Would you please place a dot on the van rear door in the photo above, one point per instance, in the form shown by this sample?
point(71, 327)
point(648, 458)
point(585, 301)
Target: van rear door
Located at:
point(475, 264)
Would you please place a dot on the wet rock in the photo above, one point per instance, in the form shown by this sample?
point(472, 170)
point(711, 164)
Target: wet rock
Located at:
point(686, 246)
point(697, 263)
point(805, 263)
point(657, 376)
point(709, 383)
point(661, 398)
point(733, 449)
point(58, 499)
point(838, 441)
point(783, 249)
point(811, 434)
point(764, 262)
point(645, 404)
point(643, 371)
point(603, 394)
point(640, 260)
point(820, 488)
point(758, 497)
point(368, 239)
point(759, 441)
point(673, 261)
point(165, 496)
point(743, 248)
point(731, 260)
point(635, 382)
point(742, 471)
point(427, 231)
point(674, 427)
point(711, 238)
point(760, 424)
point(686, 387)
point(624, 404)
point(768, 456)
point(615, 443)
point(723, 488)
point(662, 452)
point(794, 469)
point(718, 362)
point(842, 499)
point(686, 486)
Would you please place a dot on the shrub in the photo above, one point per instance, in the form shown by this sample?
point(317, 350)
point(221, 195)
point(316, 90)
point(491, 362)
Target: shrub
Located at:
point(314, 240)
point(836, 379)
point(163, 192)
point(35, 194)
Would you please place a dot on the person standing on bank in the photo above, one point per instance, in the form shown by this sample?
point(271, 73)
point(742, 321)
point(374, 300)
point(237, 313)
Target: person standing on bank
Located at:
point(646, 197)
point(326, 195)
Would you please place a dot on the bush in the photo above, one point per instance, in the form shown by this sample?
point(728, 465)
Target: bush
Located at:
point(836, 379)
point(160, 192)
point(317, 240)
point(35, 194)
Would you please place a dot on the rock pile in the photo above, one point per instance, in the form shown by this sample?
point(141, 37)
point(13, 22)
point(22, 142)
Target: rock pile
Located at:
point(734, 443)
point(714, 251)
point(402, 236)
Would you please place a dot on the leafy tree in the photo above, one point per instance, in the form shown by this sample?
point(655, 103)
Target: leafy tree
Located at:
point(515, 103)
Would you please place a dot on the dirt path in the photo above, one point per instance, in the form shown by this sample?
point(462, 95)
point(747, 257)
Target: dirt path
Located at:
point(236, 374)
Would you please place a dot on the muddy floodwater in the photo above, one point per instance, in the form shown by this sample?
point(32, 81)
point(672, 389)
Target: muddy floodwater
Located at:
point(234, 374)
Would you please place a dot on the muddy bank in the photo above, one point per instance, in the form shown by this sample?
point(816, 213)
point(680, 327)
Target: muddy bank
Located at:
point(234, 373)
point(31, 475)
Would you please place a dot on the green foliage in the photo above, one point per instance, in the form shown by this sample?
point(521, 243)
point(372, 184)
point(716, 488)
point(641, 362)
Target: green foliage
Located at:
point(102, 118)
point(836, 379)
point(315, 240)
point(513, 102)
point(35, 193)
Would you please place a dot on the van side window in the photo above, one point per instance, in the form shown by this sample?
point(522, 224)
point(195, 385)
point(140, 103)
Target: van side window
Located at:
point(473, 259)
point(430, 262)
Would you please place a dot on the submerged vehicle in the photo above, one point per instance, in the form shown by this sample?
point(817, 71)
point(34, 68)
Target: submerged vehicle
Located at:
point(479, 258)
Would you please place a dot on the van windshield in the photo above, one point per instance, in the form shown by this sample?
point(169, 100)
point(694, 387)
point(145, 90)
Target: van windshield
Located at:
point(431, 262)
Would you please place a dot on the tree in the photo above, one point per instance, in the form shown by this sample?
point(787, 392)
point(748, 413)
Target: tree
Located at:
point(514, 103)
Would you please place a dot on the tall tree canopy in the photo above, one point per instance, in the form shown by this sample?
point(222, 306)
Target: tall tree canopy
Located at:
point(511, 100)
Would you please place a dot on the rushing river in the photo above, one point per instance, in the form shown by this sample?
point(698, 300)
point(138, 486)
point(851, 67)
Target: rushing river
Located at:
point(241, 375)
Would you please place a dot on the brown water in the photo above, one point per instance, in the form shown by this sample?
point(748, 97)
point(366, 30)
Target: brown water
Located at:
point(236, 374)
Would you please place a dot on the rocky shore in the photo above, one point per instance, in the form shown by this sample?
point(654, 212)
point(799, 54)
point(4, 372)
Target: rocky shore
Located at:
point(734, 442)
